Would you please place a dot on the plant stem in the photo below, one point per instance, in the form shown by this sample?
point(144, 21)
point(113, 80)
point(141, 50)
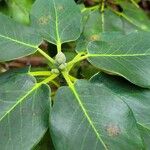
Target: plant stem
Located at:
point(135, 4)
point(40, 73)
point(49, 79)
point(73, 79)
point(59, 47)
point(75, 60)
point(103, 6)
point(102, 11)
point(51, 60)
point(52, 94)
point(67, 78)
point(55, 83)
point(90, 8)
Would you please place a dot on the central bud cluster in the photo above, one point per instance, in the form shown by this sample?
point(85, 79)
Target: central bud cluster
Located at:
point(60, 61)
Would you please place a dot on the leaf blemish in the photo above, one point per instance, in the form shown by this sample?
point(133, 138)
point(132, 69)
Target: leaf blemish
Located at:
point(44, 20)
point(113, 130)
point(60, 8)
point(94, 37)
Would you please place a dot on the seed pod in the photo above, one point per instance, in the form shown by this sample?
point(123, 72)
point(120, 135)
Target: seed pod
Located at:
point(60, 58)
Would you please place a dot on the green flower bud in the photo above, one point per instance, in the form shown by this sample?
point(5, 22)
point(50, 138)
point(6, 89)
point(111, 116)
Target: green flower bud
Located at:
point(55, 71)
point(60, 58)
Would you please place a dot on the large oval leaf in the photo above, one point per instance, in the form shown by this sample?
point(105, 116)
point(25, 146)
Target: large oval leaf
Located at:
point(24, 111)
point(58, 21)
point(16, 40)
point(128, 56)
point(92, 118)
point(137, 98)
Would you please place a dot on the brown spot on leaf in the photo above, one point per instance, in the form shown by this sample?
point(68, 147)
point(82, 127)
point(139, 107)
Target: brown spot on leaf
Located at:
point(94, 37)
point(113, 130)
point(44, 20)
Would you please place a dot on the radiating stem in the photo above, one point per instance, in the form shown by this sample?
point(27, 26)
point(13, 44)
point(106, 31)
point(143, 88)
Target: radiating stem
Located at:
point(90, 8)
point(51, 60)
point(40, 73)
point(102, 11)
point(75, 60)
point(67, 78)
point(103, 6)
point(58, 47)
point(55, 83)
point(49, 79)
point(73, 79)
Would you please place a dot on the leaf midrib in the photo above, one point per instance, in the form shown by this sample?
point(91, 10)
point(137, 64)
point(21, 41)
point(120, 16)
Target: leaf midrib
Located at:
point(19, 42)
point(143, 126)
point(56, 24)
point(87, 116)
point(36, 86)
point(117, 55)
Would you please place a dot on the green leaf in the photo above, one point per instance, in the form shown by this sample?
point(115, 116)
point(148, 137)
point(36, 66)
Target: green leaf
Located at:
point(57, 21)
point(137, 98)
point(16, 40)
point(19, 10)
point(145, 133)
point(92, 117)
point(98, 23)
point(95, 23)
point(24, 110)
point(128, 56)
point(135, 16)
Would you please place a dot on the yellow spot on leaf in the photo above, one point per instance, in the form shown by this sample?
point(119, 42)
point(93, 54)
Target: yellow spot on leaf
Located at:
point(94, 37)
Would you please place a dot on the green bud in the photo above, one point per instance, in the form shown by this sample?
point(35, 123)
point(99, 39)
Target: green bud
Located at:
point(60, 58)
point(55, 71)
